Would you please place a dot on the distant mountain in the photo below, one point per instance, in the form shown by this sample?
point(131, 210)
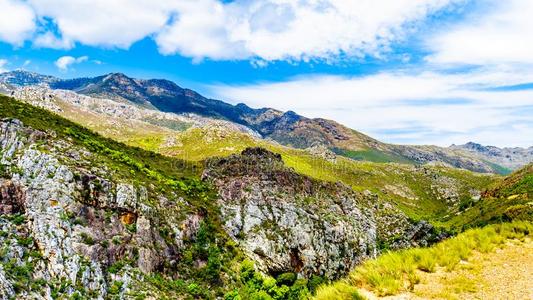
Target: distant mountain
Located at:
point(511, 158)
point(287, 128)
point(24, 78)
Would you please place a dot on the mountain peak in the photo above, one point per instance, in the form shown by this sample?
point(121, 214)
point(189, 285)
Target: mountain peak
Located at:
point(21, 77)
point(117, 77)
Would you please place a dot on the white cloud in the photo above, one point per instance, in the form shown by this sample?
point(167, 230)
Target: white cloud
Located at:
point(64, 62)
point(502, 33)
point(17, 21)
point(3, 63)
point(291, 30)
point(50, 40)
point(116, 23)
point(428, 107)
point(261, 29)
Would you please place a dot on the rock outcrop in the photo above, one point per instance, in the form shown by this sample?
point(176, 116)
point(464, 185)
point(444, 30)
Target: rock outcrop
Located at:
point(68, 225)
point(291, 223)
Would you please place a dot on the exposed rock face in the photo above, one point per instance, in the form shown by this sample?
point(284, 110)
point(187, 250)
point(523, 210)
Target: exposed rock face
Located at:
point(292, 223)
point(11, 198)
point(323, 152)
point(79, 223)
point(434, 154)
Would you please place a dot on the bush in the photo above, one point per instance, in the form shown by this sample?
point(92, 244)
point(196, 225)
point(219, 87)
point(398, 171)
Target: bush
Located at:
point(339, 290)
point(257, 286)
point(520, 212)
point(286, 278)
point(194, 289)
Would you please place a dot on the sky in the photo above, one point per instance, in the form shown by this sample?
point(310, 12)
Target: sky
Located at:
point(403, 71)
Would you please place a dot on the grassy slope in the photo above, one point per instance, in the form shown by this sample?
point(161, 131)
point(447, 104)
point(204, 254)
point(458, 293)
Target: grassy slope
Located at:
point(403, 184)
point(406, 185)
point(398, 272)
point(505, 199)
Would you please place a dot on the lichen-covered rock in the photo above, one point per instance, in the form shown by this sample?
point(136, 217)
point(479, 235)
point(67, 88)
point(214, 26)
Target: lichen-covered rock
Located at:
point(6, 288)
point(75, 224)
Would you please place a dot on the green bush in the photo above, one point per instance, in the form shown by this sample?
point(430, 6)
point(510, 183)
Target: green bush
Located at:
point(257, 286)
point(286, 278)
point(520, 212)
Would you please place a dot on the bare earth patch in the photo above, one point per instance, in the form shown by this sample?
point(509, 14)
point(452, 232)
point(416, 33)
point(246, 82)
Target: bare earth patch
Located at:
point(505, 273)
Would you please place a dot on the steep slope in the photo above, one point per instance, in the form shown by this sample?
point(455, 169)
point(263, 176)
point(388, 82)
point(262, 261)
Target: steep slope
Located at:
point(25, 78)
point(292, 223)
point(510, 198)
point(286, 128)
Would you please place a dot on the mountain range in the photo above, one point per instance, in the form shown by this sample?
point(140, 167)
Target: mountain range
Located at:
point(286, 128)
point(120, 188)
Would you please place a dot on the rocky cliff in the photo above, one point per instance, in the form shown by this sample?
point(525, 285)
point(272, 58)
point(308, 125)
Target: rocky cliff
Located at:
point(288, 222)
point(70, 228)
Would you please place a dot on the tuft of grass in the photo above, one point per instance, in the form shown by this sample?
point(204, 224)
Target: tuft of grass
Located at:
point(338, 290)
point(395, 272)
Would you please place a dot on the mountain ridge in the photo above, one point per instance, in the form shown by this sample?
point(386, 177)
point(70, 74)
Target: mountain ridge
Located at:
point(287, 128)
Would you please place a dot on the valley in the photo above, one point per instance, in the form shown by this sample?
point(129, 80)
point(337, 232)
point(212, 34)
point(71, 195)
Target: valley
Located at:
point(119, 188)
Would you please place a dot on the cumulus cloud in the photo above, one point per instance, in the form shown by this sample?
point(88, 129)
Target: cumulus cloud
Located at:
point(427, 107)
point(17, 21)
point(50, 40)
point(261, 29)
point(291, 30)
point(64, 62)
point(116, 23)
point(501, 33)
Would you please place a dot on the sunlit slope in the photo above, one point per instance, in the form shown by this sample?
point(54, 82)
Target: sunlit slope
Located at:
point(489, 263)
point(430, 192)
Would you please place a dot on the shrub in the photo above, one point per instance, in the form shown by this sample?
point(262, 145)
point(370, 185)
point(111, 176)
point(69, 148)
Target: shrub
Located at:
point(86, 239)
point(213, 264)
point(286, 278)
point(339, 290)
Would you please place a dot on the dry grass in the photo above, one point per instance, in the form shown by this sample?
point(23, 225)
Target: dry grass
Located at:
point(400, 272)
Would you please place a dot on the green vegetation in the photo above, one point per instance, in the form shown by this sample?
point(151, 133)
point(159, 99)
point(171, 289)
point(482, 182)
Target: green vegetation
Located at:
point(373, 156)
point(507, 199)
point(518, 184)
point(499, 169)
point(255, 286)
point(395, 272)
point(392, 177)
point(212, 264)
point(44, 120)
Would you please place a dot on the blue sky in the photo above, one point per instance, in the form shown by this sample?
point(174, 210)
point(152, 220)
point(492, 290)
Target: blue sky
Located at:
point(403, 71)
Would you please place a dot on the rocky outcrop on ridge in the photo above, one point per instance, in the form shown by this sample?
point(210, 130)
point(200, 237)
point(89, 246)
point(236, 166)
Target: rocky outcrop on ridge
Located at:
point(291, 223)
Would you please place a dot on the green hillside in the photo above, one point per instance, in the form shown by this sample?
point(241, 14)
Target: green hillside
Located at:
point(433, 193)
point(454, 259)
